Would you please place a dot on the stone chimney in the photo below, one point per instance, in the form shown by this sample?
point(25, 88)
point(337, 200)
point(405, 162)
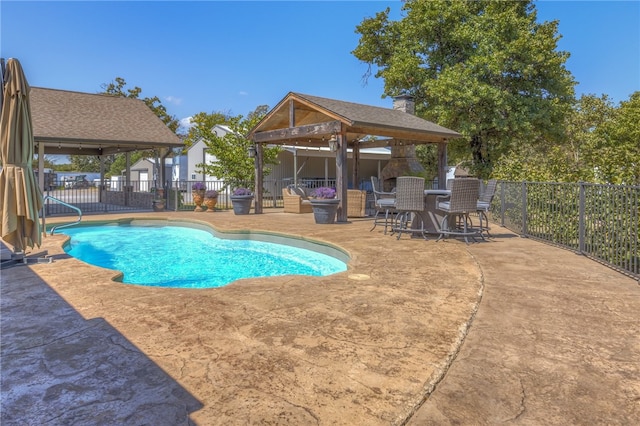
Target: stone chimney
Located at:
point(403, 161)
point(405, 103)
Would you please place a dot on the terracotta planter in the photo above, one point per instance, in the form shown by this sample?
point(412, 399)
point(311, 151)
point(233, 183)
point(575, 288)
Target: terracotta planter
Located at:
point(198, 199)
point(211, 204)
point(324, 210)
point(158, 205)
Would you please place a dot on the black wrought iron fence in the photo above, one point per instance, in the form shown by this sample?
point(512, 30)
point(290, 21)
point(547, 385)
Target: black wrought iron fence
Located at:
point(91, 197)
point(599, 221)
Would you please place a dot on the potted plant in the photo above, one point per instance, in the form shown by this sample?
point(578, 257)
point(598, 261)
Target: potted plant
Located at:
point(158, 202)
point(324, 204)
point(241, 199)
point(197, 190)
point(210, 199)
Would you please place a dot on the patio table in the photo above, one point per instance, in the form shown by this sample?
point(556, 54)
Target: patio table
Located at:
point(431, 216)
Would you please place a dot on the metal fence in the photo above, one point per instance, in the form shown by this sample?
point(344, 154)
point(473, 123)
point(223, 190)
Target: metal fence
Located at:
point(180, 198)
point(179, 195)
point(91, 198)
point(598, 221)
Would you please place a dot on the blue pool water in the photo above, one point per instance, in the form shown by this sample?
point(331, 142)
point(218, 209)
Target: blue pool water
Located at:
point(176, 256)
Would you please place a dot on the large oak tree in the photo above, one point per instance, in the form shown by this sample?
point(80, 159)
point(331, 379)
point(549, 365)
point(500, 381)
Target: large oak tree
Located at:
point(486, 69)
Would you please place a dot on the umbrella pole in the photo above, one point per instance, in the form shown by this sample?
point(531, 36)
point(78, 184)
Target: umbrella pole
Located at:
point(2, 81)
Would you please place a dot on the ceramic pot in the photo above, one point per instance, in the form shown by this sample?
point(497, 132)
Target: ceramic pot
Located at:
point(241, 203)
point(324, 210)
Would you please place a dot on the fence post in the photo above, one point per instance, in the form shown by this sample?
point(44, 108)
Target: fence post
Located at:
point(524, 209)
point(503, 202)
point(176, 194)
point(581, 220)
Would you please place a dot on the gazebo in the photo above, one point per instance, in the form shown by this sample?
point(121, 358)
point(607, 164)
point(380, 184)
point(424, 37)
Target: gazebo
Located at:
point(75, 123)
point(312, 121)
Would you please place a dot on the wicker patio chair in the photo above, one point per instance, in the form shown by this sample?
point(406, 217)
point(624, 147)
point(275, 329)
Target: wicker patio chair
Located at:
point(484, 204)
point(462, 201)
point(356, 203)
point(409, 204)
point(385, 205)
point(296, 200)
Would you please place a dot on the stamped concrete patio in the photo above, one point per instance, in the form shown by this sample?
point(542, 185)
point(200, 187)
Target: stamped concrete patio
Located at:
point(415, 332)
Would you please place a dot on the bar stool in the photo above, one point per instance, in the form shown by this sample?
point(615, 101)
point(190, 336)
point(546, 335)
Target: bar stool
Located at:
point(409, 204)
point(462, 201)
point(385, 203)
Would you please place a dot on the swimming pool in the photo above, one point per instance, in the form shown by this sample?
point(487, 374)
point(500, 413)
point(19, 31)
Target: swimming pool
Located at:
point(179, 255)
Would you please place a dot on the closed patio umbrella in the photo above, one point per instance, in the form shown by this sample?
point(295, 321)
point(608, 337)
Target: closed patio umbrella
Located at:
point(20, 197)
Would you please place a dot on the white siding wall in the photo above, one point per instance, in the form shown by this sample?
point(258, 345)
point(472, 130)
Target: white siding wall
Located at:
point(313, 166)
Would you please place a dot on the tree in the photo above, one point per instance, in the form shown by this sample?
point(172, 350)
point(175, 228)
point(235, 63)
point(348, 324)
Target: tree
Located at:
point(233, 164)
point(117, 88)
point(569, 160)
point(615, 151)
point(601, 146)
point(116, 163)
point(49, 162)
point(85, 163)
point(483, 68)
point(202, 125)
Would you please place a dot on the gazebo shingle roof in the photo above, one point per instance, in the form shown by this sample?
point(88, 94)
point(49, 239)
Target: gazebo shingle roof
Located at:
point(73, 119)
point(314, 115)
point(361, 115)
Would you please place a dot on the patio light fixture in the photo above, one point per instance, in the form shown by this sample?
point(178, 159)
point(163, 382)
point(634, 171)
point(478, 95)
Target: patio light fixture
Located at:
point(251, 151)
point(333, 143)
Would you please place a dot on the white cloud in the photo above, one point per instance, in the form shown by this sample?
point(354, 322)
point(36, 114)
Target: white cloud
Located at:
point(173, 100)
point(243, 93)
point(185, 123)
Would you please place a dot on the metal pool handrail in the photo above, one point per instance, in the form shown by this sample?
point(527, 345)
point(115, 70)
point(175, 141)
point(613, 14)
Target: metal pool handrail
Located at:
point(49, 197)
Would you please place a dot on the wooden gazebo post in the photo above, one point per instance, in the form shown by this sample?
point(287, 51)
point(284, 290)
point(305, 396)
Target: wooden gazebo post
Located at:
point(258, 179)
point(442, 165)
point(341, 176)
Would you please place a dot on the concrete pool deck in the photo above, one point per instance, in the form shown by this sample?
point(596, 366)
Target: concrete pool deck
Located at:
point(415, 332)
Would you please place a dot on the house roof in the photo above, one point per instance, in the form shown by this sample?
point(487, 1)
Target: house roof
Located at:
point(95, 124)
point(315, 118)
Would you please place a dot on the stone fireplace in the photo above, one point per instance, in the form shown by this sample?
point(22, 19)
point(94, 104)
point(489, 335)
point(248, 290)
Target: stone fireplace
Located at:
point(403, 161)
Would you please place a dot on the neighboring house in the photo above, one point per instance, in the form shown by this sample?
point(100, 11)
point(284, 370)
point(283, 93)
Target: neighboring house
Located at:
point(185, 166)
point(143, 173)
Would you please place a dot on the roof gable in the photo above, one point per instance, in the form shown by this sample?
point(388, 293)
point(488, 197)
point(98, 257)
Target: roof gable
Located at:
point(69, 119)
point(357, 119)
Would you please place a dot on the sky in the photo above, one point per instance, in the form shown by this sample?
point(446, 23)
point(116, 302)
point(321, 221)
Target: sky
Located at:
point(233, 56)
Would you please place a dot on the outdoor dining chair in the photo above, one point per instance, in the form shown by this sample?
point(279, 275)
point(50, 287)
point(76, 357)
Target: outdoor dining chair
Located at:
point(409, 204)
point(457, 206)
point(385, 205)
point(484, 204)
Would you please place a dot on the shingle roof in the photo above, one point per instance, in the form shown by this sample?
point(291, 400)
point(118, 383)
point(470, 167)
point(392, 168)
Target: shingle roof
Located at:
point(361, 115)
point(65, 117)
point(359, 120)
